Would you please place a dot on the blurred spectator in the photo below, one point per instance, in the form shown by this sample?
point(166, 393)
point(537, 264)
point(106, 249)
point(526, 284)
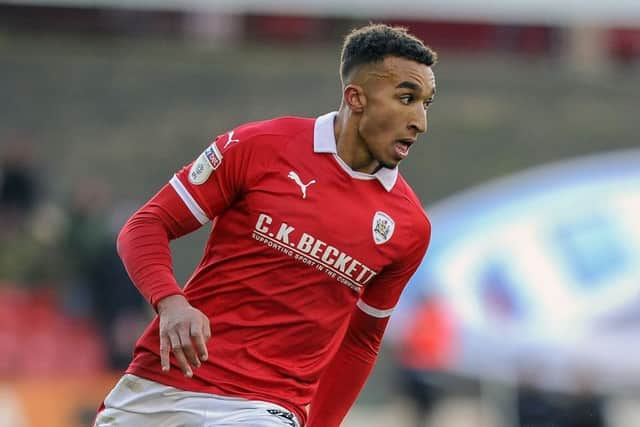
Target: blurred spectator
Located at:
point(18, 187)
point(66, 253)
point(85, 236)
point(535, 407)
point(585, 408)
point(98, 284)
point(28, 227)
point(425, 350)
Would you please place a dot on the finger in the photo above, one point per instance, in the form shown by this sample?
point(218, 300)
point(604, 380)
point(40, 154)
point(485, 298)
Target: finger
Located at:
point(198, 338)
point(176, 347)
point(207, 334)
point(207, 330)
point(187, 347)
point(165, 348)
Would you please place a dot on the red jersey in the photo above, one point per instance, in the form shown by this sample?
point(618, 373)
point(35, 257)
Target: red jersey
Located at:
point(299, 240)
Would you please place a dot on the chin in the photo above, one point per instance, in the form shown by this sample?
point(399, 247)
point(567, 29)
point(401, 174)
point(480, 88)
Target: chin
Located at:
point(389, 164)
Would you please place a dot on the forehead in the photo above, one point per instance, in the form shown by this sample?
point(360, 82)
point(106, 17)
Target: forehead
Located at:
point(395, 70)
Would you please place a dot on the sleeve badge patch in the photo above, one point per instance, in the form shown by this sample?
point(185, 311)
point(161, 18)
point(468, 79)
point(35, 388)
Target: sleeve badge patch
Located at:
point(382, 227)
point(206, 163)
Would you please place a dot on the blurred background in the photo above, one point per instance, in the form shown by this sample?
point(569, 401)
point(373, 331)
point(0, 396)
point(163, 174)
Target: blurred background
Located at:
point(526, 310)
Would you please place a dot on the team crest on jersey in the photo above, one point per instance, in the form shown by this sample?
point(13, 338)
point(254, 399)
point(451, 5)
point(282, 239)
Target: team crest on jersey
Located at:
point(382, 227)
point(206, 163)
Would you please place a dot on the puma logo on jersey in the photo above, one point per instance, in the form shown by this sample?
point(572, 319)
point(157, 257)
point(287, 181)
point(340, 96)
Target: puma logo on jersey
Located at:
point(303, 187)
point(231, 140)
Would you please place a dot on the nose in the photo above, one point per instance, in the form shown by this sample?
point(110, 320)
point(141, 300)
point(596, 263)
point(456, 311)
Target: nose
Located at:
point(418, 122)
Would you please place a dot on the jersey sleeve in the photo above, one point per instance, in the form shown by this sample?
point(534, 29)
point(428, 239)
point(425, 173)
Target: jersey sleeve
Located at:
point(211, 183)
point(381, 296)
point(346, 374)
point(143, 244)
point(350, 367)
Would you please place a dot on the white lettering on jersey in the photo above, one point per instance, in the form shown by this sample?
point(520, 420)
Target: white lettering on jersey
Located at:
point(283, 233)
point(303, 187)
point(341, 262)
point(326, 257)
point(313, 252)
point(262, 219)
point(230, 140)
point(305, 242)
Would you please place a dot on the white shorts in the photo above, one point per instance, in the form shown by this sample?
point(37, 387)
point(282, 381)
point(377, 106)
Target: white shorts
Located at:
point(137, 402)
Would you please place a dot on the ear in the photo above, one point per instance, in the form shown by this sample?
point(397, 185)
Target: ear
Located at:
point(354, 97)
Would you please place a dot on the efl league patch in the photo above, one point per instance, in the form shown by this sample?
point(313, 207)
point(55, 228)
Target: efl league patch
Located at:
point(213, 155)
point(206, 163)
point(382, 227)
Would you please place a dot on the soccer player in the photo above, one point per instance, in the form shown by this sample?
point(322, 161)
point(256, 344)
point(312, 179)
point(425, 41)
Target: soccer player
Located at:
point(314, 235)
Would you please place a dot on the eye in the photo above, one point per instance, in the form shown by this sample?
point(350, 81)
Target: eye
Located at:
point(427, 103)
point(406, 99)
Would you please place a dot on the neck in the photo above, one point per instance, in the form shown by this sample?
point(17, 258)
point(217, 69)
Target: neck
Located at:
point(350, 146)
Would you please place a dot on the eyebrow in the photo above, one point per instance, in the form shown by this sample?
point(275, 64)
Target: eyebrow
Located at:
point(408, 85)
point(414, 86)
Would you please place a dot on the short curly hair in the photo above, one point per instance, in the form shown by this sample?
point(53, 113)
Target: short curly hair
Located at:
point(374, 42)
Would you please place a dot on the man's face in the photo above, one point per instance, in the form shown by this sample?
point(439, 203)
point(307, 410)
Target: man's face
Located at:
point(398, 92)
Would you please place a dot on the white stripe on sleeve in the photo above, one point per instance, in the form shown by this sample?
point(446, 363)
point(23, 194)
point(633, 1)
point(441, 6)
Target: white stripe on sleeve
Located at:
point(372, 311)
point(189, 201)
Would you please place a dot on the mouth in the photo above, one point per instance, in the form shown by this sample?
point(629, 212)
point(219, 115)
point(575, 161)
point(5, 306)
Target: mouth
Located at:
point(402, 146)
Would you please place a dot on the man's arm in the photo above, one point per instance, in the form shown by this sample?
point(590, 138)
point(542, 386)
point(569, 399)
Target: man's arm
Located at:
point(348, 371)
point(143, 245)
point(196, 194)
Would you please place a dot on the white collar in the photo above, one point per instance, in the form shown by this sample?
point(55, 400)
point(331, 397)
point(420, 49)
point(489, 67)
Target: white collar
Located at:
point(324, 141)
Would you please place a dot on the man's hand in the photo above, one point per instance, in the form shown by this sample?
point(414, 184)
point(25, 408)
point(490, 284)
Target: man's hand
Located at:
point(184, 330)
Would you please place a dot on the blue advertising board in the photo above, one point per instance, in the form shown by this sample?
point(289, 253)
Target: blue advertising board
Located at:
point(540, 268)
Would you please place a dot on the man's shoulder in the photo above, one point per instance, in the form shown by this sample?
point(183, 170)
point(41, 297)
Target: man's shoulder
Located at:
point(404, 190)
point(285, 126)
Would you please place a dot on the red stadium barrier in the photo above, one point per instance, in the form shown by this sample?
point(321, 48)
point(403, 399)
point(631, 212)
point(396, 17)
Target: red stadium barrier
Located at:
point(37, 338)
